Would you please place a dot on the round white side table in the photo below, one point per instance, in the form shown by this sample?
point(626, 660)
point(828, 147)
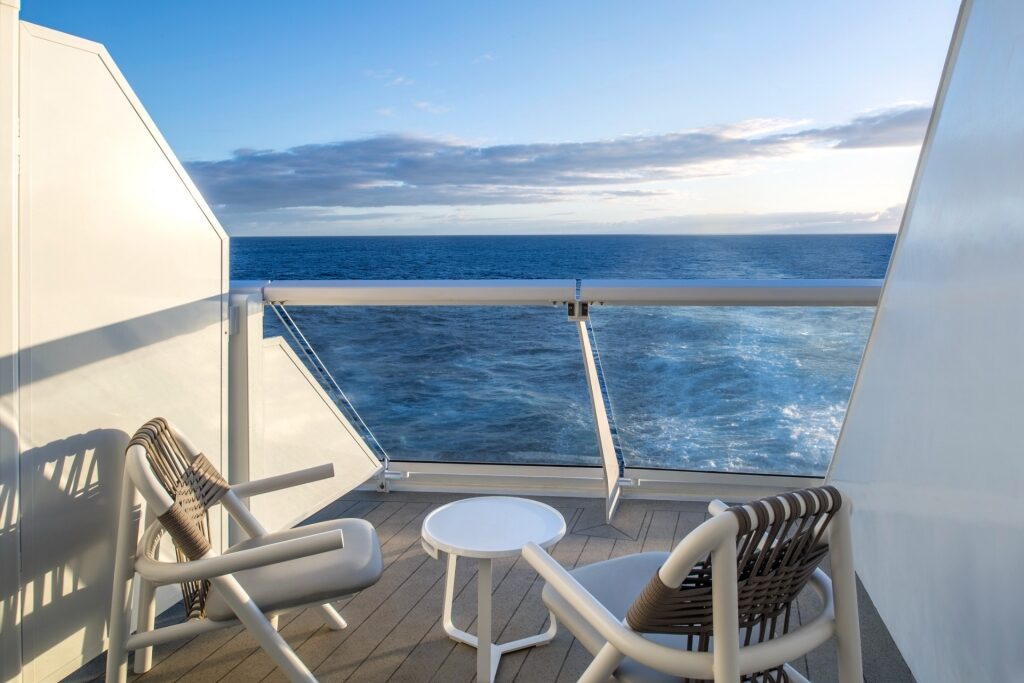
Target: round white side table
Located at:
point(486, 528)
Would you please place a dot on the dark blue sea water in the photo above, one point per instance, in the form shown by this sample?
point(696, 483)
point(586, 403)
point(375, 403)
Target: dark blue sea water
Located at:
point(731, 389)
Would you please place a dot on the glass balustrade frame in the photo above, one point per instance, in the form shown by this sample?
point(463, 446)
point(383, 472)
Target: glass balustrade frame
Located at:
point(614, 478)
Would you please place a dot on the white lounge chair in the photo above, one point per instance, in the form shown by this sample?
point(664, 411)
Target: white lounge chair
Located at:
point(719, 607)
point(254, 580)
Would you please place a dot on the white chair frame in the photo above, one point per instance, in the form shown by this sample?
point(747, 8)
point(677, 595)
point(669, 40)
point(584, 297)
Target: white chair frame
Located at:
point(728, 660)
point(130, 559)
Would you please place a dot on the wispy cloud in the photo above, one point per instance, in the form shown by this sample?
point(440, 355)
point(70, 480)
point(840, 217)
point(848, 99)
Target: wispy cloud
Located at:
point(430, 107)
point(886, 128)
point(485, 57)
point(386, 112)
point(404, 170)
point(795, 222)
point(389, 77)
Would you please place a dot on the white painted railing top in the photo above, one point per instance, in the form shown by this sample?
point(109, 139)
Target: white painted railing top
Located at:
point(734, 292)
point(776, 292)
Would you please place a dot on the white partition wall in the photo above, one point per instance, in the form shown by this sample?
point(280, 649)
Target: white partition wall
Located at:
point(933, 445)
point(121, 298)
point(10, 632)
point(302, 427)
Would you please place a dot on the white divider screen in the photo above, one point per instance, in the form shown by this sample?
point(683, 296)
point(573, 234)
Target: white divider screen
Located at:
point(931, 450)
point(122, 274)
point(302, 427)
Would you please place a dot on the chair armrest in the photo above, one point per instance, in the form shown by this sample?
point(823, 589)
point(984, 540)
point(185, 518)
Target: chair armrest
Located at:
point(283, 481)
point(627, 641)
point(569, 588)
point(250, 558)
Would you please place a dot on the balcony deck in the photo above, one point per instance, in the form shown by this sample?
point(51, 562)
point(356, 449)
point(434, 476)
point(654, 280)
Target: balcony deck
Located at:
point(395, 632)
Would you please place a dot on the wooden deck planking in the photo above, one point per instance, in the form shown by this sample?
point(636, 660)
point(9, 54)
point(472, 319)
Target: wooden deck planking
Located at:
point(543, 663)
point(395, 631)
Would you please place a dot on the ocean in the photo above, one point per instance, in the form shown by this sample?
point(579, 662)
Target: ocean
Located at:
point(716, 389)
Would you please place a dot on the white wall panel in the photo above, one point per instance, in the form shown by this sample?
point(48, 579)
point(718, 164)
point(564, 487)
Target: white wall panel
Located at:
point(931, 449)
point(10, 631)
point(123, 280)
point(301, 427)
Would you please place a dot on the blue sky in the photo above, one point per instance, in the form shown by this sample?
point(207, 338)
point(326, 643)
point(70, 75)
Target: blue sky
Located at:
point(426, 118)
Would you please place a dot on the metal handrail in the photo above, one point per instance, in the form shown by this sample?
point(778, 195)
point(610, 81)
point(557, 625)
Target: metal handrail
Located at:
point(717, 292)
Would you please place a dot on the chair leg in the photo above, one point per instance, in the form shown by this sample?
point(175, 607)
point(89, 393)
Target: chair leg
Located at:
point(603, 666)
point(332, 618)
point(146, 621)
point(844, 594)
point(147, 612)
point(124, 574)
point(724, 613)
point(261, 629)
point(117, 654)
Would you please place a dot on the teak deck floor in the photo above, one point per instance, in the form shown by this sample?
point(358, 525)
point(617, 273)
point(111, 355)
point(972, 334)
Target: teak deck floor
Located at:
point(395, 633)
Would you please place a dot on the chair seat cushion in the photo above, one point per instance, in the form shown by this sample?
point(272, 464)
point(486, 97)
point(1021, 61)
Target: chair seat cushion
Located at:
point(307, 580)
point(615, 583)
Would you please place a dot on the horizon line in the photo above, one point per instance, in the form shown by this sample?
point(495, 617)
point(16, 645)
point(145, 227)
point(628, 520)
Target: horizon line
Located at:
point(589, 234)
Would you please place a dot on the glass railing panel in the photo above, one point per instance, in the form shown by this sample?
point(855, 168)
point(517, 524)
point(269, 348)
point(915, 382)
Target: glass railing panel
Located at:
point(496, 385)
point(759, 390)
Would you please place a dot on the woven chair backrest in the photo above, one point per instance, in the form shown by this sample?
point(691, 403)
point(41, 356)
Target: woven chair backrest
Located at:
point(195, 485)
point(781, 541)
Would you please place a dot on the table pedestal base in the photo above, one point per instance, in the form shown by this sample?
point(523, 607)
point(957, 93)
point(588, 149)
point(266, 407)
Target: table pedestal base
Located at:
point(487, 658)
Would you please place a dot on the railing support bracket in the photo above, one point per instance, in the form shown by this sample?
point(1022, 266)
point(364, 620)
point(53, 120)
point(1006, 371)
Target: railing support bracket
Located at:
point(578, 310)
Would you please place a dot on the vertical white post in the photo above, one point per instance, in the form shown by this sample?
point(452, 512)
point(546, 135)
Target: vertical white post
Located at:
point(245, 405)
point(724, 613)
point(483, 623)
point(10, 567)
point(844, 595)
point(605, 443)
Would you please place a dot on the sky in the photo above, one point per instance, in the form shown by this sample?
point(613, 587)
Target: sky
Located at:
point(365, 118)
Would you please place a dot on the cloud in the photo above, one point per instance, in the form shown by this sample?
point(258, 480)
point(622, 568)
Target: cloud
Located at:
point(886, 128)
point(458, 221)
point(796, 222)
point(430, 107)
point(389, 77)
point(630, 193)
point(485, 57)
point(404, 170)
point(386, 112)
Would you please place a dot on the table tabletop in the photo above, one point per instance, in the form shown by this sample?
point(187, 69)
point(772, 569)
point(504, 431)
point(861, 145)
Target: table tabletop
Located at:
point(492, 526)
